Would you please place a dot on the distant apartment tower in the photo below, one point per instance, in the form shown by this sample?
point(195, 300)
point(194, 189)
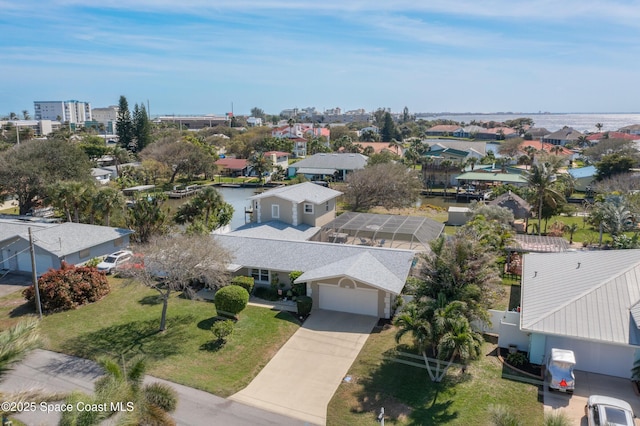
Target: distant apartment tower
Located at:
point(107, 116)
point(73, 112)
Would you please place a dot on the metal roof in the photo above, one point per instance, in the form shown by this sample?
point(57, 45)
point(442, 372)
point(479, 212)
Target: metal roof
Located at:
point(307, 256)
point(585, 295)
point(417, 230)
point(493, 177)
point(340, 161)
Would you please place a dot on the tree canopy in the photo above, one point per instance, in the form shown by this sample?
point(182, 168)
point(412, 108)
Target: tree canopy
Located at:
point(28, 169)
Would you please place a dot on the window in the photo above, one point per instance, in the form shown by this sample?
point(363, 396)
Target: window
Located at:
point(326, 206)
point(308, 208)
point(275, 211)
point(260, 275)
point(83, 254)
point(118, 242)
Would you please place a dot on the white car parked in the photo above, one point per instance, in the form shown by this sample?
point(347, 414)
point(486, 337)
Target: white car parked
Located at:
point(114, 260)
point(604, 410)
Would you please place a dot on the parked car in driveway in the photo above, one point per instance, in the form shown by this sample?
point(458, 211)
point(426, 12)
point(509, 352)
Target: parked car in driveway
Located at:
point(604, 410)
point(114, 260)
point(560, 369)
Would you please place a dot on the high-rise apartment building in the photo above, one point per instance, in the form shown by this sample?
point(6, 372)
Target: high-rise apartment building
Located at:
point(73, 112)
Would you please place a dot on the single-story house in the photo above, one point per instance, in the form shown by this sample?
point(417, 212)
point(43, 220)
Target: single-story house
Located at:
point(584, 177)
point(443, 130)
point(233, 166)
point(102, 176)
point(563, 136)
point(278, 159)
point(587, 302)
point(303, 203)
point(319, 166)
point(339, 277)
point(74, 243)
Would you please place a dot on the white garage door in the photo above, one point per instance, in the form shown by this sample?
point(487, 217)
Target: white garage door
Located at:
point(355, 301)
point(597, 357)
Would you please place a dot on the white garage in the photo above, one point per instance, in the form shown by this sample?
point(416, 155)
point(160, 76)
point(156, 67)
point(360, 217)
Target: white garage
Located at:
point(348, 299)
point(596, 357)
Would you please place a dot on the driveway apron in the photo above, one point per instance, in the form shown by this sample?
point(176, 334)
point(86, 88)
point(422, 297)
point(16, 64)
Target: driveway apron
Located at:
point(302, 377)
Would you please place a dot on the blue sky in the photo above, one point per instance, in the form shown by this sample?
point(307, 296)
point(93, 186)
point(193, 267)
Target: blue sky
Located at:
point(200, 56)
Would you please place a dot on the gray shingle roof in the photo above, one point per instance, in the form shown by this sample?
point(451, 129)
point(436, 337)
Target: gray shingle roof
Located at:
point(342, 161)
point(306, 191)
point(276, 230)
point(361, 267)
point(61, 238)
point(307, 256)
point(584, 295)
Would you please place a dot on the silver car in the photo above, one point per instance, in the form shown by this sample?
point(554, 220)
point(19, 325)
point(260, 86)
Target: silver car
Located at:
point(604, 410)
point(560, 369)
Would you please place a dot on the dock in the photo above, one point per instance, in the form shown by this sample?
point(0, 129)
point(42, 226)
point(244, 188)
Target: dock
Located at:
point(184, 192)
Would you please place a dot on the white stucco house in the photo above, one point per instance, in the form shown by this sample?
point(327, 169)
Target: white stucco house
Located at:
point(586, 301)
point(74, 243)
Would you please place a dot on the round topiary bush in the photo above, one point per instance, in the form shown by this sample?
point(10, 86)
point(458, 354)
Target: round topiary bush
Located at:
point(69, 287)
point(231, 300)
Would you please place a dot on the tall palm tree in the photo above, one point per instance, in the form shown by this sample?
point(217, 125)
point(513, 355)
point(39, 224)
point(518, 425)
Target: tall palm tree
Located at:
point(556, 149)
point(260, 164)
point(571, 229)
point(531, 153)
point(599, 126)
point(16, 342)
point(107, 200)
point(540, 179)
point(410, 321)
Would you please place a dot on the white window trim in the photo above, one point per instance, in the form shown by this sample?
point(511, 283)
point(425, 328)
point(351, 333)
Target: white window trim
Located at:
point(275, 211)
point(260, 272)
point(305, 208)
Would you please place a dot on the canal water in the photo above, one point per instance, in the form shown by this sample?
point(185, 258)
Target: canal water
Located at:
point(239, 199)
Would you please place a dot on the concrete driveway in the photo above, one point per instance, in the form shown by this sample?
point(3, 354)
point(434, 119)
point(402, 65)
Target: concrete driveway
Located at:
point(56, 372)
point(590, 384)
point(302, 377)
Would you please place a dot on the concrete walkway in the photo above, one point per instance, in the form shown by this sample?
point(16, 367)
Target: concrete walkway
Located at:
point(302, 377)
point(54, 372)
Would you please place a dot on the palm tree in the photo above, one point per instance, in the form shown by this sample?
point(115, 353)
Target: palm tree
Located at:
point(107, 200)
point(460, 340)
point(556, 149)
point(410, 321)
point(395, 144)
point(531, 152)
point(571, 229)
point(599, 126)
point(541, 180)
point(260, 165)
point(582, 141)
point(151, 404)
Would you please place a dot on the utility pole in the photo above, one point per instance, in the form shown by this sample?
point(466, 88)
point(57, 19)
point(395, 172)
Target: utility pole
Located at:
point(34, 275)
point(17, 133)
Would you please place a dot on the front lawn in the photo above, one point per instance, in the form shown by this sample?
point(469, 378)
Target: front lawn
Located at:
point(125, 323)
point(410, 398)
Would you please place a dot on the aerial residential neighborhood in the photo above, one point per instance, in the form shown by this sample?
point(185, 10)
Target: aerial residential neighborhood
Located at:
point(326, 257)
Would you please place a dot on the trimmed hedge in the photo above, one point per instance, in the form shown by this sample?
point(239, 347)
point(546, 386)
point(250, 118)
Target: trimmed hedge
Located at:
point(231, 299)
point(69, 287)
point(245, 282)
point(304, 304)
point(222, 329)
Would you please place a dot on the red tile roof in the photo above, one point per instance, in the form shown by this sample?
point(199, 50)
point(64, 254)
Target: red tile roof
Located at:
point(612, 135)
point(543, 146)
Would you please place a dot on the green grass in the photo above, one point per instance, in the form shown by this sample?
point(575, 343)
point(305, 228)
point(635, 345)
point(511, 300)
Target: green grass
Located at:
point(410, 398)
point(125, 324)
point(10, 210)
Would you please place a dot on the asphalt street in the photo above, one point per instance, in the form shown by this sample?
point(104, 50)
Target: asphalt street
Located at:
point(56, 372)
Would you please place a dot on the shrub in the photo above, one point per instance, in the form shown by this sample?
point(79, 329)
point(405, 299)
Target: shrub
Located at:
point(304, 304)
point(266, 293)
point(245, 282)
point(556, 418)
point(222, 329)
point(502, 416)
point(231, 299)
point(69, 287)
point(299, 289)
point(517, 359)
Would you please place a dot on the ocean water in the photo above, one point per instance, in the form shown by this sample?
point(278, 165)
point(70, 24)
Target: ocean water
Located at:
point(553, 122)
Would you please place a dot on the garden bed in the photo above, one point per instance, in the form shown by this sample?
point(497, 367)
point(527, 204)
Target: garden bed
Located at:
point(533, 370)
